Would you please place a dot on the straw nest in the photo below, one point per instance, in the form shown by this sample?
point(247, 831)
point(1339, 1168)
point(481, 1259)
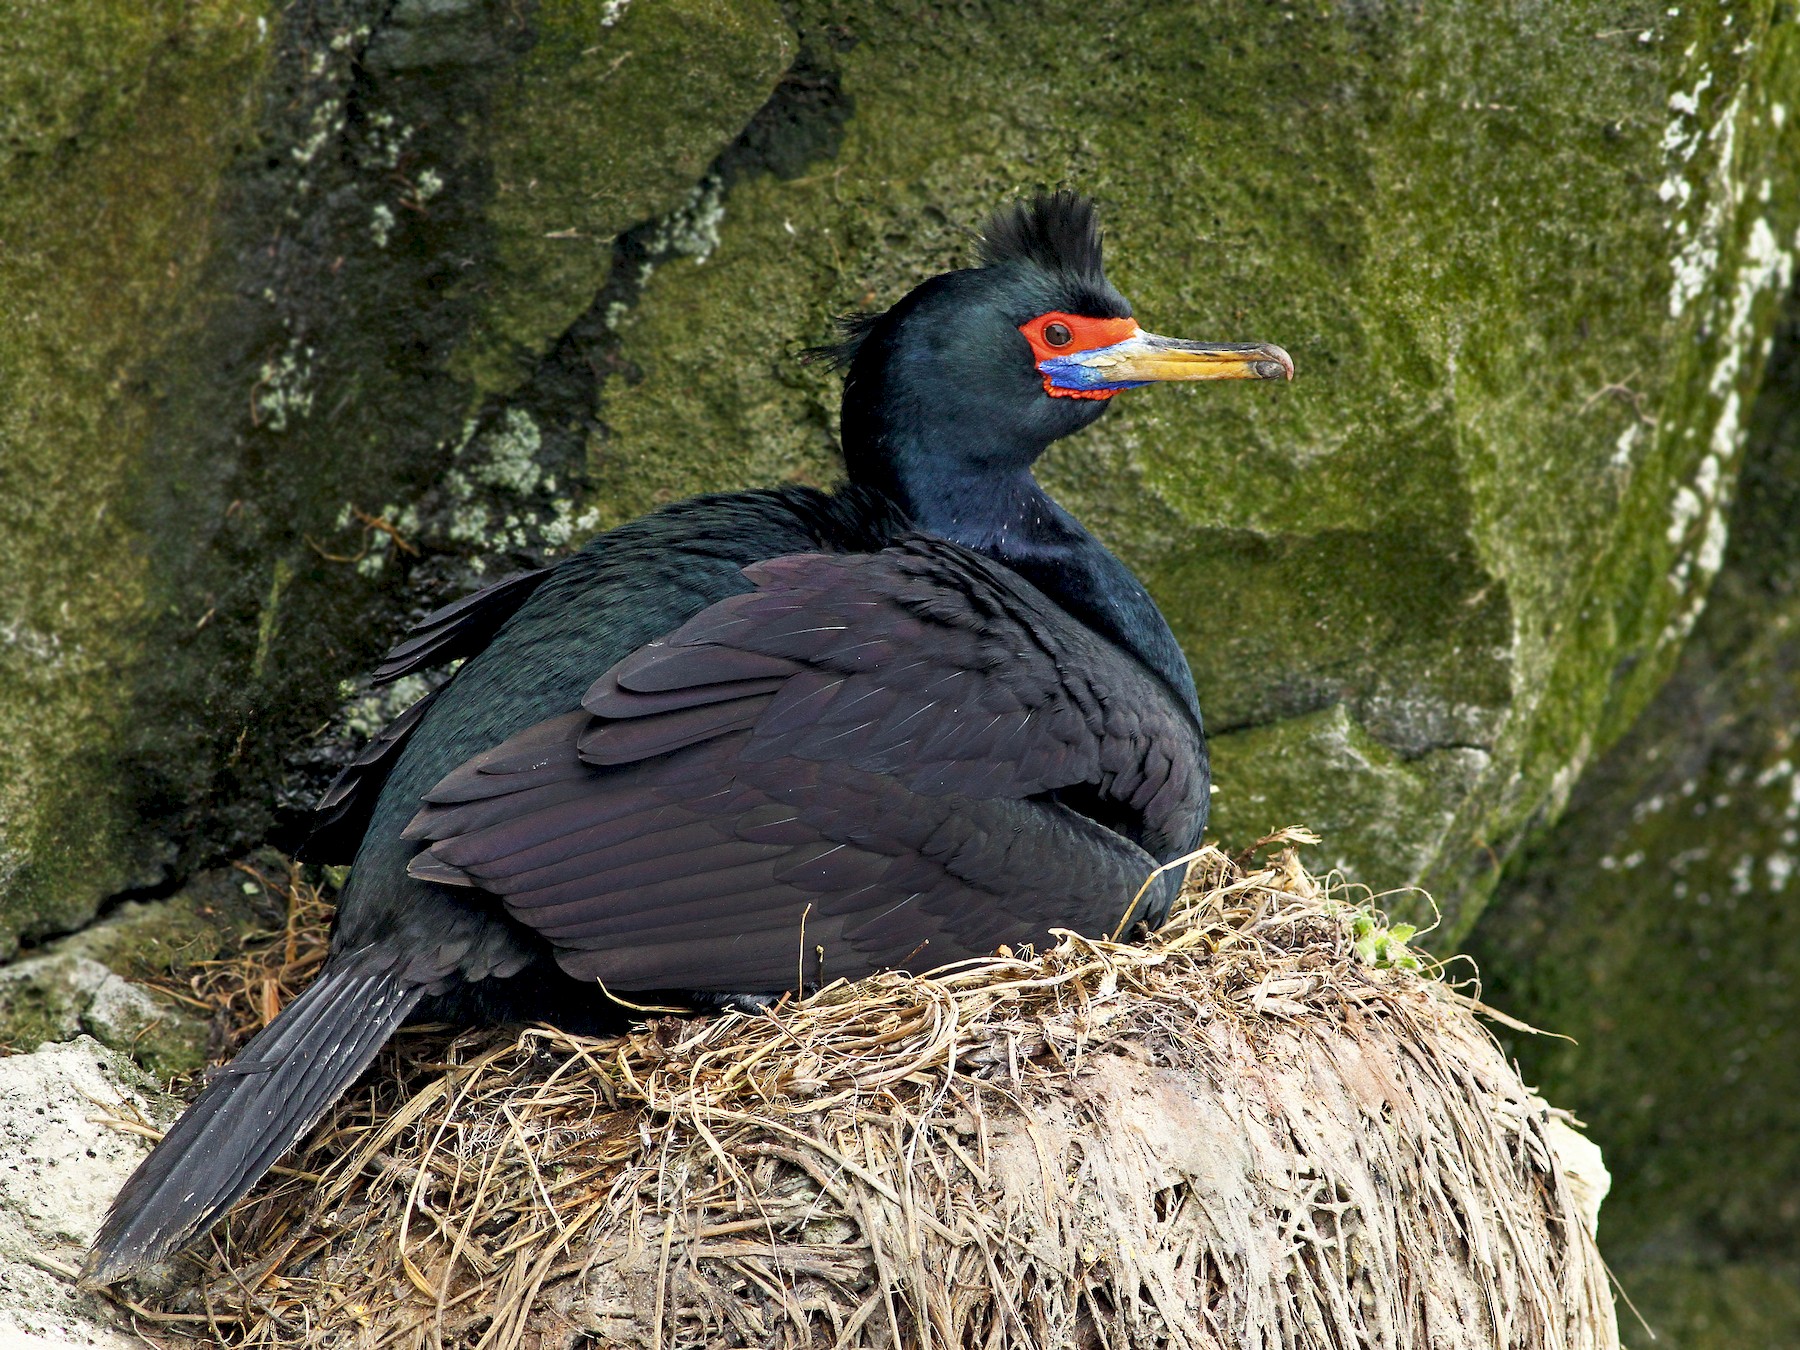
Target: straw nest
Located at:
point(1242, 1131)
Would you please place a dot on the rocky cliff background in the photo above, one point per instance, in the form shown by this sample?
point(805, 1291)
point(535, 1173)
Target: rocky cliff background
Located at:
point(313, 315)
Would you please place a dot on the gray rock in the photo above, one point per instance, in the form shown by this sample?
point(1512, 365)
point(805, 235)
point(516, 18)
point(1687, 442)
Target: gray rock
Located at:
point(59, 1169)
point(59, 996)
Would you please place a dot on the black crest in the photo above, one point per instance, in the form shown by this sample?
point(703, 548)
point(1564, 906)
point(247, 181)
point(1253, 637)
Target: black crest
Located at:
point(1058, 231)
point(852, 329)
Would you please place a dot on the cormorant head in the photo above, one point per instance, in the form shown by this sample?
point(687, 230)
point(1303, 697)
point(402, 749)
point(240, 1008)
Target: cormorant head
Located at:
point(974, 373)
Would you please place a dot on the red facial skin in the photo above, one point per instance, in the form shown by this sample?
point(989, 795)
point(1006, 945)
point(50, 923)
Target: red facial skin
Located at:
point(1085, 335)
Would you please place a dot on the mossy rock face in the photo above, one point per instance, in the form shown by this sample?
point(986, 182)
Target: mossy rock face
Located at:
point(1659, 926)
point(612, 117)
point(57, 998)
point(413, 291)
point(115, 123)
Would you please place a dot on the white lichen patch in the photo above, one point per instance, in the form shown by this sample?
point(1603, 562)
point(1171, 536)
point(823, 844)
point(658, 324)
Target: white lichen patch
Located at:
point(1626, 446)
point(501, 496)
point(566, 523)
point(43, 652)
point(510, 454)
point(468, 523)
point(1780, 769)
point(381, 224)
point(1698, 261)
point(1681, 140)
point(368, 713)
point(1712, 546)
point(1780, 866)
point(1743, 875)
point(284, 387)
point(1698, 527)
point(388, 139)
point(1766, 266)
point(322, 127)
point(1683, 512)
point(692, 229)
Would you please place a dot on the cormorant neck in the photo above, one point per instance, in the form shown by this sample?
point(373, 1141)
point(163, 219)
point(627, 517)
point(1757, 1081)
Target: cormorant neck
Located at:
point(1007, 515)
point(999, 514)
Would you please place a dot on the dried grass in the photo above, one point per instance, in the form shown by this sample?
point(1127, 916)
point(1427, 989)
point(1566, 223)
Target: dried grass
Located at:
point(1235, 1133)
point(241, 994)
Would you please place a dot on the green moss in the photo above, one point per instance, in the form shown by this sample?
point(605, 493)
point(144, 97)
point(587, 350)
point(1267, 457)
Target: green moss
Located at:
point(1656, 925)
point(1739, 1306)
point(612, 118)
point(117, 121)
point(1378, 814)
point(1448, 527)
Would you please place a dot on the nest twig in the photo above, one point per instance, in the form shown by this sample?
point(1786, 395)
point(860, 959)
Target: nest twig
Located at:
point(1236, 1132)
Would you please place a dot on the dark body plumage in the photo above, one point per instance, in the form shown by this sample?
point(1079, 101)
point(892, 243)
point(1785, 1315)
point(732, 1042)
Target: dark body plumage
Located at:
point(753, 740)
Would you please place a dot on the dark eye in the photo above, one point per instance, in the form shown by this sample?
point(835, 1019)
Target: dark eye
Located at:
point(1058, 335)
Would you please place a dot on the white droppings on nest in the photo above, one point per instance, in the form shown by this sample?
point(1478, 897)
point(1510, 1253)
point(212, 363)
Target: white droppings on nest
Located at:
point(1234, 1133)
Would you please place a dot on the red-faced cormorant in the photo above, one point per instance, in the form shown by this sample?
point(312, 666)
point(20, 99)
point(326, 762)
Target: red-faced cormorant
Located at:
point(764, 738)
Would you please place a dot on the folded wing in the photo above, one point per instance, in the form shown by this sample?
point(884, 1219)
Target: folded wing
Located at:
point(870, 760)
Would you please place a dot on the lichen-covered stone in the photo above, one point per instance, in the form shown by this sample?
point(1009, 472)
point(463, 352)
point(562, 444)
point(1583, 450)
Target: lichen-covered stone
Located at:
point(91, 982)
point(1658, 925)
point(57, 998)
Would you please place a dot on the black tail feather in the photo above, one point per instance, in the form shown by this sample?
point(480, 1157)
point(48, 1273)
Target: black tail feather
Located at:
point(254, 1111)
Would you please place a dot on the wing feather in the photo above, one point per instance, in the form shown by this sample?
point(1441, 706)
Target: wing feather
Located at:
point(459, 629)
point(342, 816)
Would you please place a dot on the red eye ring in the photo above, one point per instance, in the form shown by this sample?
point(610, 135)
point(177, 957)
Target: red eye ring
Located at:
point(1062, 334)
point(1059, 336)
